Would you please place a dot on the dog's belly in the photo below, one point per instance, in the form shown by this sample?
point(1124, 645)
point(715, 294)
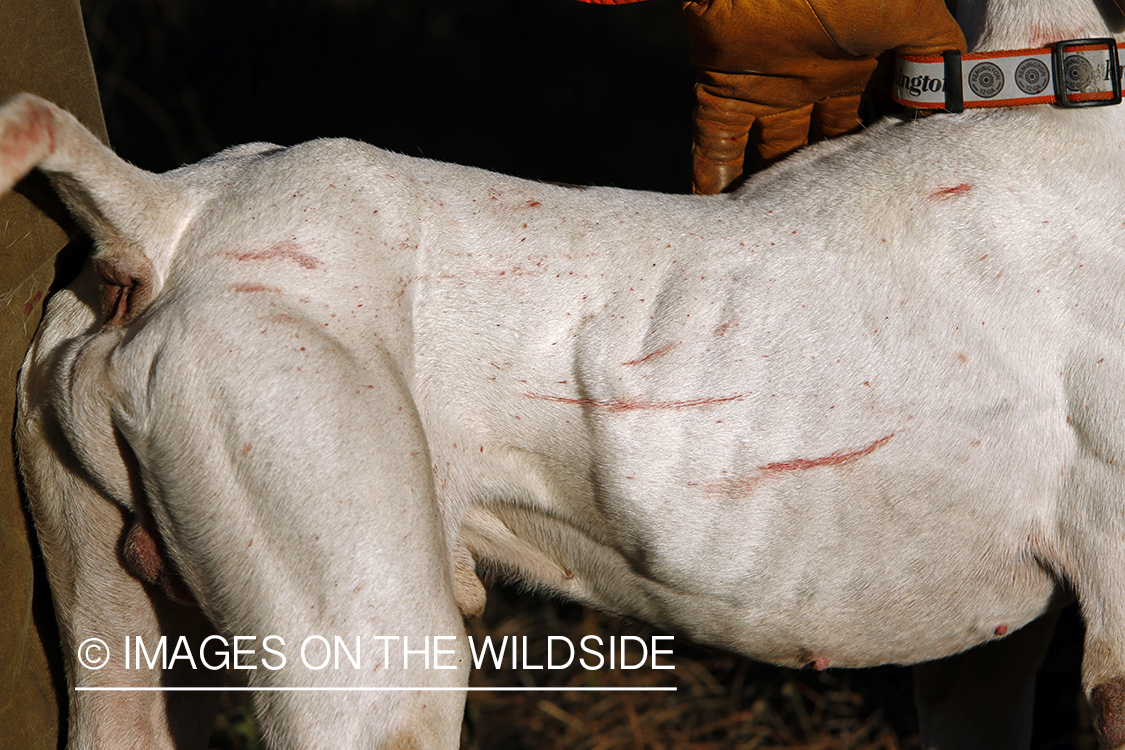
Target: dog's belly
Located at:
point(852, 561)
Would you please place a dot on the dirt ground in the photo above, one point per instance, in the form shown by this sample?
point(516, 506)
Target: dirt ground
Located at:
point(721, 702)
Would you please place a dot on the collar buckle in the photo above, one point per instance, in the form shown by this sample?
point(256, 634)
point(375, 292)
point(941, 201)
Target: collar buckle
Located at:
point(1081, 75)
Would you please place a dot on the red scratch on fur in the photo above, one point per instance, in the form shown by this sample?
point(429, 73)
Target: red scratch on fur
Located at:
point(744, 485)
point(631, 404)
point(256, 288)
point(942, 194)
point(283, 318)
point(653, 355)
point(287, 250)
point(722, 328)
point(832, 459)
point(1042, 36)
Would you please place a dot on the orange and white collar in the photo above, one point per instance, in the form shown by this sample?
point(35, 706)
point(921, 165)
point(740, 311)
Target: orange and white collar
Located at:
point(1071, 73)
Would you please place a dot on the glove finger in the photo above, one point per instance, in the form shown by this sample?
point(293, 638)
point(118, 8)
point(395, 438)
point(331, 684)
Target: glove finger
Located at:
point(711, 176)
point(778, 134)
point(836, 115)
point(721, 130)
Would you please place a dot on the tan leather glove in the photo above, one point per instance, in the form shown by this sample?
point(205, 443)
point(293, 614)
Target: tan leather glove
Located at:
point(790, 68)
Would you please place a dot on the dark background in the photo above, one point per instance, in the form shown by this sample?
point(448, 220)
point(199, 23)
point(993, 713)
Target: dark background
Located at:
point(546, 89)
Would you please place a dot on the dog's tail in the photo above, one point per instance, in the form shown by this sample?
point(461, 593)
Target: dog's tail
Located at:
point(27, 136)
point(119, 205)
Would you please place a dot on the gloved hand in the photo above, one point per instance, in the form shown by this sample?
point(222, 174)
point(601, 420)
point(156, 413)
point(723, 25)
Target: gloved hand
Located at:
point(791, 68)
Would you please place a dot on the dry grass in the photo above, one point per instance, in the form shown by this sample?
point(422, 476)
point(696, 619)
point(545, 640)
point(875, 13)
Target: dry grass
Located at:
point(721, 701)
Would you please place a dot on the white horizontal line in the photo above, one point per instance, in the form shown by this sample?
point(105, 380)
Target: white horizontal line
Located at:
point(378, 689)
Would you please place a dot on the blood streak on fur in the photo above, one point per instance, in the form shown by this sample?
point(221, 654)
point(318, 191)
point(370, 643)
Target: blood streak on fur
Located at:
point(631, 404)
point(832, 459)
point(256, 288)
point(287, 250)
point(1041, 36)
point(653, 355)
point(942, 194)
point(722, 328)
point(745, 485)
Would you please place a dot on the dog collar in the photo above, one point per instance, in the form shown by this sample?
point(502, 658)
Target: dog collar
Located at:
point(1071, 73)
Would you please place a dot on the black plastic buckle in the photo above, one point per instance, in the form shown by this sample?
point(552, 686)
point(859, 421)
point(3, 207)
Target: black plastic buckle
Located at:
point(1113, 70)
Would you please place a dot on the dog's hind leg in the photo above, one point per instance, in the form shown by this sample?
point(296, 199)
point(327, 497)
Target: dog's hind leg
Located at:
point(295, 497)
point(983, 698)
point(104, 611)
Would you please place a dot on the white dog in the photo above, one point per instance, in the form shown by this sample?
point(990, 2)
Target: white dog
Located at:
point(869, 408)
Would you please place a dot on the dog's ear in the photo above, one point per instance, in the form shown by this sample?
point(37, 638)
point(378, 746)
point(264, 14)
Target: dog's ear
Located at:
point(118, 204)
